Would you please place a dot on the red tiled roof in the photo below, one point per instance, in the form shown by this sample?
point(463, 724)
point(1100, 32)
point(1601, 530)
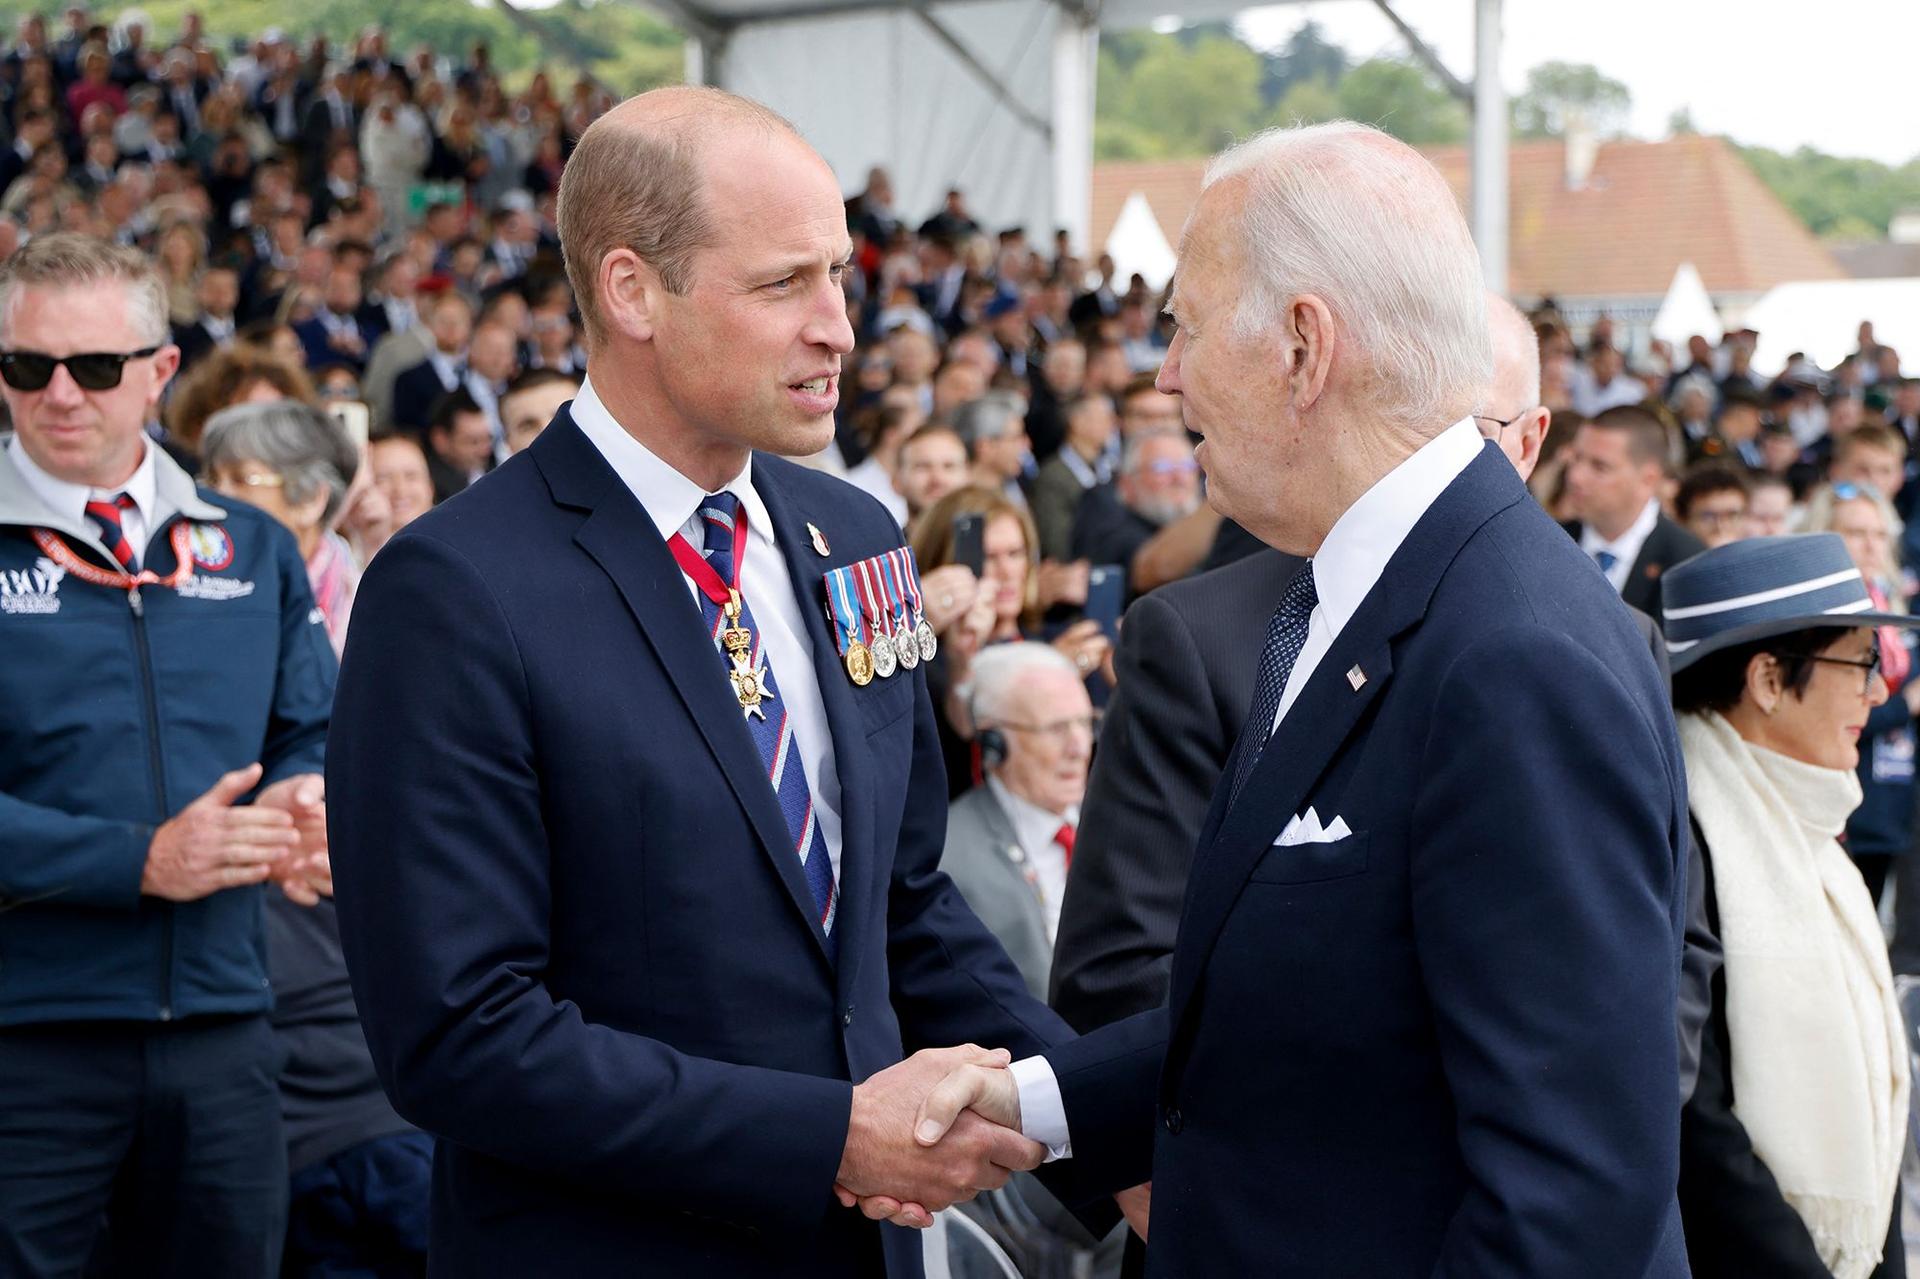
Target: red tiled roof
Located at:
point(1648, 207)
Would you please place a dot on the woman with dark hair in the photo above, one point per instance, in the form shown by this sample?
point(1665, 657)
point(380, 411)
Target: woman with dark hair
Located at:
point(1791, 1143)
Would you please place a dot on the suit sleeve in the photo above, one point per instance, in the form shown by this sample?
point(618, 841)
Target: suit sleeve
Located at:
point(951, 980)
point(443, 874)
point(1545, 849)
point(1161, 754)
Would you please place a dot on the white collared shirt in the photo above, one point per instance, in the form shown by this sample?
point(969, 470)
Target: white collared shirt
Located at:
point(1034, 829)
point(672, 501)
point(1346, 568)
point(1625, 548)
point(149, 511)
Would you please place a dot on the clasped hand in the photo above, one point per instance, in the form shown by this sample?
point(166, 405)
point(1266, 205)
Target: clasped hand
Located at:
point(933, 1131)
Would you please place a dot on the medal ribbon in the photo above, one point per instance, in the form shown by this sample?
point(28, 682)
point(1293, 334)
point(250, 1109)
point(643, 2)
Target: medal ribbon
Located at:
point(56, 549)
point(870, 597)
point(910, 574)
point(896, 589)
point(846, 616)
point(696, 566)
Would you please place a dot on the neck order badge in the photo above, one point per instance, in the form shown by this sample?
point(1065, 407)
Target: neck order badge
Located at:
point(749, 678)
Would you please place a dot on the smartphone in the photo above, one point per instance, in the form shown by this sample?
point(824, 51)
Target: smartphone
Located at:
point(354, 419)
point(1106, 597)
point(970, 542)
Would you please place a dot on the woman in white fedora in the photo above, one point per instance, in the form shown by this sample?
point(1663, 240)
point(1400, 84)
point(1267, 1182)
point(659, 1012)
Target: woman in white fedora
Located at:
point(1791, 1143)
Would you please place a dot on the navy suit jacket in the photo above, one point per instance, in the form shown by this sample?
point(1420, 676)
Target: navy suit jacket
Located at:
point(584, 951)
point(1444, 1044)
point(415, 392)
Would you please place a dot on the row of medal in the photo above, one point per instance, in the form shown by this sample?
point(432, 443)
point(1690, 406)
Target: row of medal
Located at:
point(878, 618)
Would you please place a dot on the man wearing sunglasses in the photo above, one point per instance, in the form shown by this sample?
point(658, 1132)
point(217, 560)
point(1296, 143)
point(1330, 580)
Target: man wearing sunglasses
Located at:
point(163, 712)
point(1153, 520)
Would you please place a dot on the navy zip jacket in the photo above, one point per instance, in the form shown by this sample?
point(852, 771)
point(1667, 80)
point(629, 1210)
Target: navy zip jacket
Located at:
point(118, 708)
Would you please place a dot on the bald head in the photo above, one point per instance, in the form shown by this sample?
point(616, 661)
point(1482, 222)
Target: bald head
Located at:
point(1516, 359)
point(638, 181)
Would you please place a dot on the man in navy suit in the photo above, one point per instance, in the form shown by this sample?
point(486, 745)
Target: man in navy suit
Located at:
point(643, 943)
point(1421, 1011)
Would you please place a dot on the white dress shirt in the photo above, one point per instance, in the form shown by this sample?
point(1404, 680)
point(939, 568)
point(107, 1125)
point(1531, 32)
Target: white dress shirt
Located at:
point(149, 511)
point(672, 501)
point(1034, 829)
point(872, 478)
point(1625, 548)
point(1346, 568)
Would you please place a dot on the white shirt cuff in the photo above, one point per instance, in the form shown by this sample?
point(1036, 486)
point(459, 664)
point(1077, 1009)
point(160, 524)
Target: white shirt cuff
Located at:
point(1043, 1114)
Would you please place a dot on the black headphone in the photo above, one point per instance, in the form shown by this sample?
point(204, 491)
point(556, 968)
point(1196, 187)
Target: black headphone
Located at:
point(993, 747)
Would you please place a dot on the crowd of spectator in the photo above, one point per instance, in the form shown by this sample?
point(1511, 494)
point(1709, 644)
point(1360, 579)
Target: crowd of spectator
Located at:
point(362, 272)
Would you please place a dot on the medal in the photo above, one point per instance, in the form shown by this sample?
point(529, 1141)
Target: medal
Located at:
point(748, 675)
point(885, 659)
point(906, 644)
point(922, 629)
point(844, 614)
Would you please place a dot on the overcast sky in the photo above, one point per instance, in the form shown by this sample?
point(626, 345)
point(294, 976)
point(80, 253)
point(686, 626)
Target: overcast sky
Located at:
point(1835, 74)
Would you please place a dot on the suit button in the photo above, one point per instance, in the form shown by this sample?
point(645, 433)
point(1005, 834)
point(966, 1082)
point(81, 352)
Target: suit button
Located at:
point(1173, 1120)
point(846, 1018)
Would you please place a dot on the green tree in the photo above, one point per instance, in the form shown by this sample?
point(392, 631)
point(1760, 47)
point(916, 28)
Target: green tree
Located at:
point(1403, 100)
point(1560, 92)
point(1307, 58)
point(1308, 102)
point(1680, 123)
point(1838, 196)
point(1196, 98)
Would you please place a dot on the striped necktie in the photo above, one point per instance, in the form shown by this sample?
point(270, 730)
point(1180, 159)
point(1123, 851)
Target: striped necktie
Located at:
point(105, 516)
point(772, 734)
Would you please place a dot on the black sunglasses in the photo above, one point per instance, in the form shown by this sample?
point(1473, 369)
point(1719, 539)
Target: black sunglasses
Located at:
point(92, 371)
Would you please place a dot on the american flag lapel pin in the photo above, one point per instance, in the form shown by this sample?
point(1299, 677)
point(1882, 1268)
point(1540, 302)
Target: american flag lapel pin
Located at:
point(1357, 678)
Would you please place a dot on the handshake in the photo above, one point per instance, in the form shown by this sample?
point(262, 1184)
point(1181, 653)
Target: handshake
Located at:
point(935, 1130)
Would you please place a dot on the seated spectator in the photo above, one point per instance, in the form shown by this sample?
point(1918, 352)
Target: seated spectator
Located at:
point(932, 464)
point(1085, 462)
point(1791, 1144)
point(216, 296)
point(1779, 450)
point(459, 444)
point(1770, 506)
point(1062, 374)
point(554, 345)
point(493, 361)
point(1010, 839)
point(335, 334)
point(882, 430)
point(1153, 521)
point(296, 464)
point(1616, 466)
point(1603, 383)
point(1145, 408)
point(958, 382)
point(450, 321)
point(996, 440)
point(398, 464)
point(1736, 430)
point(238, 374)
point(531, 401)
point(276, 339)
point(1712, 503)
point(1872, 456)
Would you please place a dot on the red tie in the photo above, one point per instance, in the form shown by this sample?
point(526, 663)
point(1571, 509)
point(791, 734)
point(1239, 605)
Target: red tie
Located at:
point(1064, 838)
point(105, 515)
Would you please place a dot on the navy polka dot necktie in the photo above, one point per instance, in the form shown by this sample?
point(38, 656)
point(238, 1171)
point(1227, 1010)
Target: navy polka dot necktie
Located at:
point(1286, 635)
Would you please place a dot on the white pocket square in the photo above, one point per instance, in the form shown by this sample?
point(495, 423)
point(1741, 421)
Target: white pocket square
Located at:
point(1306, 829)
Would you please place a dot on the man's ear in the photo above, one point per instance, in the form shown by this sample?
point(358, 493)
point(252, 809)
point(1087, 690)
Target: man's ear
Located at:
point(1309, 328)
point(631, 293)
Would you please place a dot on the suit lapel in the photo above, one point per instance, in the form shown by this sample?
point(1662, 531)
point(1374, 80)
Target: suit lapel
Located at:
point(852, 760)
point(621, 537)
point(1323, 717)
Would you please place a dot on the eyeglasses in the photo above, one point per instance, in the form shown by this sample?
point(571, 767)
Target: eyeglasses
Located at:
point(1498, 425)
point(93, 371)
point(251, 480)
point(1847, 490)
point(1869, 664)
point(1062, 730)
point(1172, 466)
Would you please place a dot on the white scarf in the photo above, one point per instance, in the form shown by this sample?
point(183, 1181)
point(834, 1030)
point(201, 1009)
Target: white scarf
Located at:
point(1819, 1051)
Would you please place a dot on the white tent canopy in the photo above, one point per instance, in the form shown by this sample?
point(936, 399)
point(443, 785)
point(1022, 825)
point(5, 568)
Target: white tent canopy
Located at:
point(1820, 317)
point(1139, 245)
point(992, 96)
point(1687, 310)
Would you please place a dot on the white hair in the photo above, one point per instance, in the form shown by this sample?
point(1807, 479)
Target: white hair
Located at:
point(1363, 222)
point(998, 670)
point(1516, 358)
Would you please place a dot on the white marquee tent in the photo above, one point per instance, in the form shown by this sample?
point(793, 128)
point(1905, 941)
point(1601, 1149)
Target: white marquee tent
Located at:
point(994, 96)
